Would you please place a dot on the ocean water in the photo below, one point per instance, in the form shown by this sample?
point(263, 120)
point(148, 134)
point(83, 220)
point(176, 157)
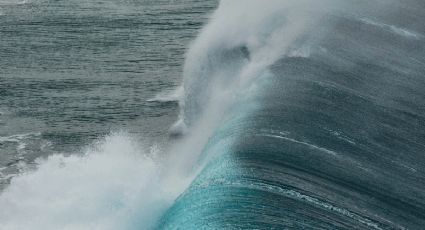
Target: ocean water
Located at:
point(231, 114)
point(87, 95)
point(74, 71)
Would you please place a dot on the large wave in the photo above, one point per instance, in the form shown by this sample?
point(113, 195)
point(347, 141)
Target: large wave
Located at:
point(294, 114)
point(315, 115)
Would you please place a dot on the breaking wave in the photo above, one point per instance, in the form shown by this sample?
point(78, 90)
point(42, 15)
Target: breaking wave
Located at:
point(294, 114)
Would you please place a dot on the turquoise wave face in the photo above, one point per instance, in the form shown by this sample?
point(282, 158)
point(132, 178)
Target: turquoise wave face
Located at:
point(331, 138)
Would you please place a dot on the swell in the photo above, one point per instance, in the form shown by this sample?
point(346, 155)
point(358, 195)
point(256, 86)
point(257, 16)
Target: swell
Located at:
point(325, 133)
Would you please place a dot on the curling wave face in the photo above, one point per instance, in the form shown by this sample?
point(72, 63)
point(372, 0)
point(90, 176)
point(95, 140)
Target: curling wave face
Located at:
point(318, 112)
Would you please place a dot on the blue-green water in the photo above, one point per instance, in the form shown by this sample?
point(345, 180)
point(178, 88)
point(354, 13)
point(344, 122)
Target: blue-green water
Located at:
point(277, 114)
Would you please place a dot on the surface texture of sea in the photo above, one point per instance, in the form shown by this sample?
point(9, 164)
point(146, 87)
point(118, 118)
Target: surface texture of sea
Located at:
point(282, 114)
point(72, 71)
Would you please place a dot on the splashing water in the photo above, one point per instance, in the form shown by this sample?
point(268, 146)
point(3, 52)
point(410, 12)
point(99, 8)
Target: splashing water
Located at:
point(113, 185)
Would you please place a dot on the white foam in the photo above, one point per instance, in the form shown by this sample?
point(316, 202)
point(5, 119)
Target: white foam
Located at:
point(312, 146)
point(394, 29)
point(114, 185)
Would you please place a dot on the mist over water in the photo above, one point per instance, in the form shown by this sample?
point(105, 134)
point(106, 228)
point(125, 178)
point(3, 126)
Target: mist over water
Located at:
point(108, 187)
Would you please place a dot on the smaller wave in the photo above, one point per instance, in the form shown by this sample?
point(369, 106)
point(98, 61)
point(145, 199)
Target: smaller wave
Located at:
point(13, 2)
point(168, 96)
point(175, 95)
point(6, 3)
point(18, 137)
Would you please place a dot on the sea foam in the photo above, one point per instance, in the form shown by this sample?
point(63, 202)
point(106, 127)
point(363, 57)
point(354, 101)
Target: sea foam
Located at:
point(115, 184)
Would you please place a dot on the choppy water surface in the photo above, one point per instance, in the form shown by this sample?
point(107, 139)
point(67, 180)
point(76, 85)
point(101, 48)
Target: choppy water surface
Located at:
point(72, 71)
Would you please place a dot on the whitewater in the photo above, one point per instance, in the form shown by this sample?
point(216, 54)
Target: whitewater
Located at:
point(289, 115)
